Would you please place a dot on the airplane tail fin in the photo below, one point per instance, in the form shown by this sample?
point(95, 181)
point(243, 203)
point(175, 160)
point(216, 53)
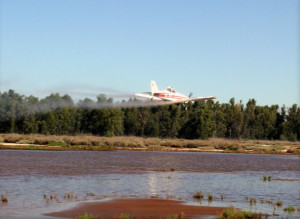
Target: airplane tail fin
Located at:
point(154, 88)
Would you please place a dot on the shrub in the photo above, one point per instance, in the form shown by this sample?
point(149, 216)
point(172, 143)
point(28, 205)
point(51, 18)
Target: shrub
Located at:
point(80, 142)
point(278, 203)
point(198, 195)
point(4, 198)
point(13, 138)
point(192, 145)
point(41, 141)
point(265, 178)
point(95, 143)
point(290, 209)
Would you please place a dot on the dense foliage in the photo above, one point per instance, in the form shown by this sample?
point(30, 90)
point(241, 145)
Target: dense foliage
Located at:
point(57, 114)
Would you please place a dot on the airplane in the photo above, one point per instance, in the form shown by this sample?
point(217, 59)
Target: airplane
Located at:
point(169, 95)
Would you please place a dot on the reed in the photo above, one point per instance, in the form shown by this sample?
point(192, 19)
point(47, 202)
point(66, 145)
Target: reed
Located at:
point(252, 201)
point(4, 198)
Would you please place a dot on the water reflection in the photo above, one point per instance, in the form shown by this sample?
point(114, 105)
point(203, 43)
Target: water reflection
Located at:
point(152, 185)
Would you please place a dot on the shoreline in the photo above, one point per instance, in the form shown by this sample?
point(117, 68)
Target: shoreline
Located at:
point(17, 146)
point(137, 208)
point(132, 143)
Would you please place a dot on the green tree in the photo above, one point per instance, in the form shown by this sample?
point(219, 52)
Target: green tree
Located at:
point(220, 120)
point(234, 119)
point(201, 122)
point(291, 128)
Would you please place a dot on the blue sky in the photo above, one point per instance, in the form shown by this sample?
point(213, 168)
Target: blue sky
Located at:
point(242, 49)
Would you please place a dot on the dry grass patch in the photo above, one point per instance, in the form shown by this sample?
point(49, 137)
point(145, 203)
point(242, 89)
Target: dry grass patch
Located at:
point(227, 145)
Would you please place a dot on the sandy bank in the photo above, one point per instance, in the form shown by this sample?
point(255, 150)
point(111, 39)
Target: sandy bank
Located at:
point(140, 208)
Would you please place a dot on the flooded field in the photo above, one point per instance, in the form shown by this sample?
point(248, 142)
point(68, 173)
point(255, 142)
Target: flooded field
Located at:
point(29, 178)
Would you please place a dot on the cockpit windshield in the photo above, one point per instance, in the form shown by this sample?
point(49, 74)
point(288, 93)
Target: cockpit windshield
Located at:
point(171, 89)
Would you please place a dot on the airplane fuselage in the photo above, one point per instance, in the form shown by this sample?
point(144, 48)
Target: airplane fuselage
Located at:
point(170, 96)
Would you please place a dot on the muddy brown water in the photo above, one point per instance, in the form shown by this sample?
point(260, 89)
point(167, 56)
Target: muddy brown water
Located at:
point(26, 176)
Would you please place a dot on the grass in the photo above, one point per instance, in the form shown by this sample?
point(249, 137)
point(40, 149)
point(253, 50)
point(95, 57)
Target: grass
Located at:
point(126, 216)
point(176, 216)
point(232, 213)
point(68, 142)
point(57, 143)
point(86, 216)
point(198, 195)
point(290, 209)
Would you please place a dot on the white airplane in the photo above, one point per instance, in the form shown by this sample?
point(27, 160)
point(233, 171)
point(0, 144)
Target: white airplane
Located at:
point(169, 95)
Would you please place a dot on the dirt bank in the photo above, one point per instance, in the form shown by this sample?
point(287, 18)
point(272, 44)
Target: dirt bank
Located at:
point(140, 208)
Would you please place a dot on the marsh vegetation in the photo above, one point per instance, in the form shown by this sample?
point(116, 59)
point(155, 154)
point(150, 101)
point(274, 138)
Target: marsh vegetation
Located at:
point(232, 213)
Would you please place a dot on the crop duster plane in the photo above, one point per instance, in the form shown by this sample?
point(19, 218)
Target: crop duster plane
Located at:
point(169, 95)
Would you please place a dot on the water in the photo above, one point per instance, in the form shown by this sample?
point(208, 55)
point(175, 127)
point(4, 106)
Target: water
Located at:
point(26, 176)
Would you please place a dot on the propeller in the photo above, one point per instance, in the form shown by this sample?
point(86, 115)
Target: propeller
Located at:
point(190, 94)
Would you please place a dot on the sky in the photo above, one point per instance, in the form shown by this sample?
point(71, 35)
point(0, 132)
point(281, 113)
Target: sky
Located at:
point(234, 48)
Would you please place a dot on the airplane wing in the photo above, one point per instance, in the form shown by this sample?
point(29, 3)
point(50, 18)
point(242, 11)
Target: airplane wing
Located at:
point(170, 102)
point(192, 99)
point(147, 95)
point(187, 99)
point(202, 98)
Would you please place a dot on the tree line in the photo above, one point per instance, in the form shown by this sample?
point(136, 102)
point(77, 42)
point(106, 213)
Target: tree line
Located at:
point(59, 115)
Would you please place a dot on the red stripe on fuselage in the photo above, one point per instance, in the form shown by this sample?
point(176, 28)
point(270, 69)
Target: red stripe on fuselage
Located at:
point(162, 95)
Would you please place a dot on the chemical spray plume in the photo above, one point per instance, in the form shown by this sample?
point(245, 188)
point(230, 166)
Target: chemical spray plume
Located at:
point(20, 105)
point(128, 104)
point(82, 90)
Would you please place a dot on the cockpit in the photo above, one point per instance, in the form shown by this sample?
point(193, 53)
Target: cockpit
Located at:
point(170, 89)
